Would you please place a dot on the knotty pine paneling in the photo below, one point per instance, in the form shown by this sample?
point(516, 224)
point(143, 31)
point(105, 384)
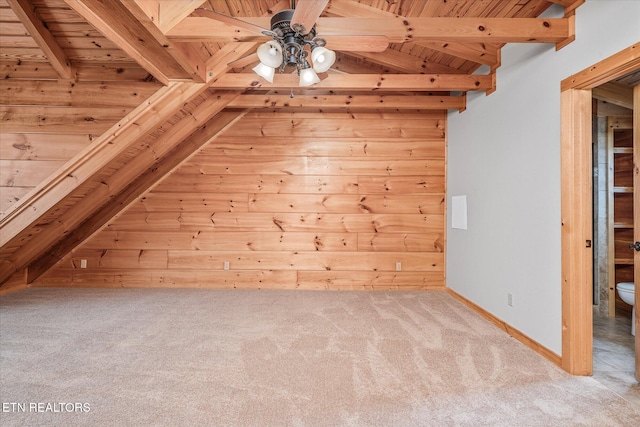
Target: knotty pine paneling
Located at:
point(26, 173)
point(45, 122)
point(289, 201)
point(243, 221)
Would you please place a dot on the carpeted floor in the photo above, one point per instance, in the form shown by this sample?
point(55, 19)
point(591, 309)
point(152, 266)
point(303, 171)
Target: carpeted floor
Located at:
point(179, 357)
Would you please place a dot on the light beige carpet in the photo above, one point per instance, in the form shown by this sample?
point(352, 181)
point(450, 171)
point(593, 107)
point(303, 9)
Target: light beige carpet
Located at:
point(140, 357)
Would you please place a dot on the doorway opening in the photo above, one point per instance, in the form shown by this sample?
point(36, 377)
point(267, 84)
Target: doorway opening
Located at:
point(577, 214)
point(613, 233)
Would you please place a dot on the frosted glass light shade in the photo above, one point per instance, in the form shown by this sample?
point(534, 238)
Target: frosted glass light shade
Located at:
point(265, 72)
point(322, 59)
point(270, 54)
point(308, 77)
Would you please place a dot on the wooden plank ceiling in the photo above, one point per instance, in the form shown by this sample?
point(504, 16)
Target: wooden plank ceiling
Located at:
point(101, 98)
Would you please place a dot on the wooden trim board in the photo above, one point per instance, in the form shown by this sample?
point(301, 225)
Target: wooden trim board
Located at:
point(577, 223)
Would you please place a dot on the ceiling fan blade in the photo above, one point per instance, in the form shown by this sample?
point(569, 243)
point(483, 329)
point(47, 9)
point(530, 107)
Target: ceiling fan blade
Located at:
point(306, 14)
point(357, 43)
point(234, 22)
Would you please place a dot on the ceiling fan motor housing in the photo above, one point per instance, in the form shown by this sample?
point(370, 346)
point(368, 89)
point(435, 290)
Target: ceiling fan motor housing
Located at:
point(281, 25)
point(292, 42)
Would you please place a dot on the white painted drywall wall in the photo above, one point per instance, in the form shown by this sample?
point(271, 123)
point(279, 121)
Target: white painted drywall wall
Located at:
point(504, 155)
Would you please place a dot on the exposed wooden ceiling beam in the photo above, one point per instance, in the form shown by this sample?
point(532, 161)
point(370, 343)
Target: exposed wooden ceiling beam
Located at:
point(398, 30)
point(615, 93)
point(137, 177)
point(481, 53)
point(24, 10)
point(356, 102)
point(117, 23)
point(366, 82)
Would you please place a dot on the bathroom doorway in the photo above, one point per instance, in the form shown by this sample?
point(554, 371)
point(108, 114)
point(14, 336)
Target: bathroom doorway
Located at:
point(577, 204)
point(613, 232)
point(613, 198)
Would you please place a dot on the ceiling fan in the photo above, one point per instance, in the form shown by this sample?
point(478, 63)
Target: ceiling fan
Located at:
point(294, 38)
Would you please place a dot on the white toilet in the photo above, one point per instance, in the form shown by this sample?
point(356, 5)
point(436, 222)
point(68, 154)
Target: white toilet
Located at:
point(626, 290)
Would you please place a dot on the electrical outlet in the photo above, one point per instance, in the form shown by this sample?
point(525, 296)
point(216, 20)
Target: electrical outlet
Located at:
point(398, 266)
point(83, 263)
point(226, 265)
point(510, 299)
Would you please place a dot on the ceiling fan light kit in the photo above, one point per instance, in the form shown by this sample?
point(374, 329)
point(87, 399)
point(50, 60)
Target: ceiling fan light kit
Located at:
point(322, 58)
point(308, 76)
point(265, 72)
point(288, 48)
point(270, 54)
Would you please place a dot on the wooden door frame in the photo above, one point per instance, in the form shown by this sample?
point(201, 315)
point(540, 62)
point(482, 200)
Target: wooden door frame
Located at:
point(576, 206)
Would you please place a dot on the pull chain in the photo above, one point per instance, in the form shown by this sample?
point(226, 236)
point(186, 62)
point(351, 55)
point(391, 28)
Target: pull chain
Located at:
point(291, 86)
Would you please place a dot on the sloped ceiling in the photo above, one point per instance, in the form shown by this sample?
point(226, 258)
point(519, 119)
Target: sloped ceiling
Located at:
point(141, 85)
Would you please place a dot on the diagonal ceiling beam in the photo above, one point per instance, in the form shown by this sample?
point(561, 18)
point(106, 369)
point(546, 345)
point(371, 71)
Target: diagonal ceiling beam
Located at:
point(398, 30)
point(115, 21)
point(366, 82)
point(481, 53)
point(25, 11)
point(175, 148)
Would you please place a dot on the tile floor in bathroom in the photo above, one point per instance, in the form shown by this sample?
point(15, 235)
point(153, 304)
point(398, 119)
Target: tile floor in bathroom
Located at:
point(613, 355)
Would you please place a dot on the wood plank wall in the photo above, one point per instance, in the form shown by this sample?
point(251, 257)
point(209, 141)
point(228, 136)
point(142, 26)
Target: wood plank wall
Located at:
point(44, 123)
point(288, 200)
